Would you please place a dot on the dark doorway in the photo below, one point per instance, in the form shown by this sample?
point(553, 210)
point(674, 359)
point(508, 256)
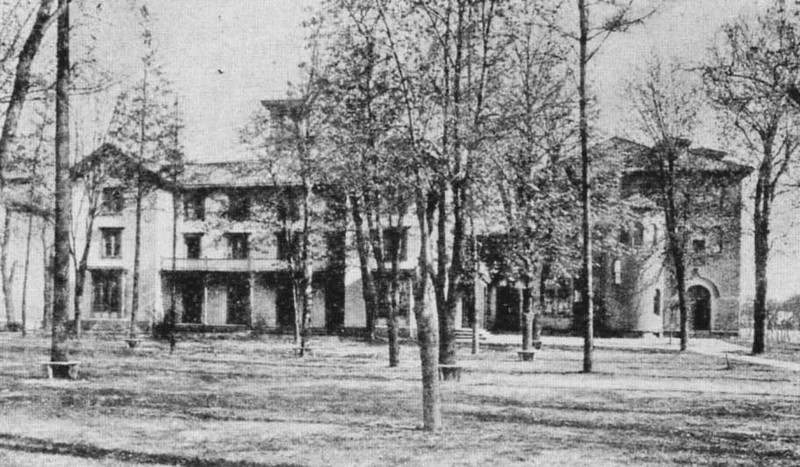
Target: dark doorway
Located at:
point(508, 309)
point(239, 299)
point(284, 303)
point(334, 301)
point(192, 298)
point(700, 307)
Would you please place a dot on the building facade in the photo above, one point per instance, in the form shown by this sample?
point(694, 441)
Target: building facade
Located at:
point(219, 245)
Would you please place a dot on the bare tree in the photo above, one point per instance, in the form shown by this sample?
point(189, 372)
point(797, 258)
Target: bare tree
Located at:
point(615, 16)
point(747, 79)
point(667, 102)
point(59, 351)
point(23, 74)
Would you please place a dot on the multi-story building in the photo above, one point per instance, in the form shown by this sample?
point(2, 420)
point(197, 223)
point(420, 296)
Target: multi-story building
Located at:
point(233, 230)
point(634, 288)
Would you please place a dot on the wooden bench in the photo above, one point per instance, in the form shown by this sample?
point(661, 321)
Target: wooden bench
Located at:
point(71, 368)
point(133, 343)
point(464, 336)
point(526, 355)
point(450, 372)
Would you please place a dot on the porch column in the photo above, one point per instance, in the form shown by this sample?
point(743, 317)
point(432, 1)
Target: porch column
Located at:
point(412, 319)
point(459, 312)
point(204, 311)
point(252, 297)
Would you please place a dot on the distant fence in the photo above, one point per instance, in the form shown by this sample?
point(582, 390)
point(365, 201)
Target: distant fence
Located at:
point(779, 334)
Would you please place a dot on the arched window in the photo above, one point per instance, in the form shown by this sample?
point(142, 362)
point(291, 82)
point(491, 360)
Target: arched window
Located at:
point(657, 302)
point(656, 234)
point(617, 268)
point(624, 237)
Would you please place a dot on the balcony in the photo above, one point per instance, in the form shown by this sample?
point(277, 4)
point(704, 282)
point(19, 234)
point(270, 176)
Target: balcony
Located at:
point(224, 265)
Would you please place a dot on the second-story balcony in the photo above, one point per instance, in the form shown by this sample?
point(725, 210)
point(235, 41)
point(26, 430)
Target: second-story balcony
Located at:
point(224, 265)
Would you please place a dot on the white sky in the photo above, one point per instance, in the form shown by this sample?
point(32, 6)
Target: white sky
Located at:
point(224, 56)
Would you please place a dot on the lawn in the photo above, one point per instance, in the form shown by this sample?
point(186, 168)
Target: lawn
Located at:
point(239, 402)
point(780, 345)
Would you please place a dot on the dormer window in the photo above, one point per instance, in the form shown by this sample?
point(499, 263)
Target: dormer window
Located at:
point(112, 201)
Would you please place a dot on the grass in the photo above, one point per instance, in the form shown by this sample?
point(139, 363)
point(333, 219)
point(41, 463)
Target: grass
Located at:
point(251, 403)
point(784, 349)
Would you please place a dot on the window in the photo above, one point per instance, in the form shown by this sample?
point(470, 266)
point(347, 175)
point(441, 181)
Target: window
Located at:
point(655, 235)
point(238, 206)
point(112, 200)
point(238, 246)
point(395, 239)
point(699, 245)
point(193, 245)
point(194, 208)
point(112, 243)
point(624, 237)
point(287, 208)
point(657, 302)
point(638, 235)
point(617, 267)
point(107, 291)
point(335, 245)
point(288, 245)
point(718, 240)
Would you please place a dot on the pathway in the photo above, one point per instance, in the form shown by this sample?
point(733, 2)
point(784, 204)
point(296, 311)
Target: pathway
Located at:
point(704, 346)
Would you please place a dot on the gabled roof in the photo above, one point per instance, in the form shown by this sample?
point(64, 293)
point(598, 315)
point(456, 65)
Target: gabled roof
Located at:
point(119, 164)
point(634, 157)
point(248, 173)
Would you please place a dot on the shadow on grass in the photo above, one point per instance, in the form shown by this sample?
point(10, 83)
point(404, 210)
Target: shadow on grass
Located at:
point(88, 451)
point(638, 436)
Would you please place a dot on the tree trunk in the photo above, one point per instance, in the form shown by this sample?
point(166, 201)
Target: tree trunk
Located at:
point(171, 320)
point(761, 215)
point(446, 319)
point(59, 350)
point(394, 302)
point(137, 247)
point(362, 246)
point(683, 311)
point(675, 236)
point(307, 271)
point(455, 291)
point(47, 281)
point(80, 275)
point(427, 331)
point(7, 273)
point(527, 319)
point(136, 259)
point(25, 270)
point(586, 225)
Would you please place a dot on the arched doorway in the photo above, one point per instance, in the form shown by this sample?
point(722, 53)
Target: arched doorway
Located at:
point(699, 307)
